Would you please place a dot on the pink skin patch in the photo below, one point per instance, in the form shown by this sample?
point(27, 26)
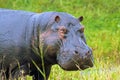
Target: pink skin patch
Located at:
point(61, 32)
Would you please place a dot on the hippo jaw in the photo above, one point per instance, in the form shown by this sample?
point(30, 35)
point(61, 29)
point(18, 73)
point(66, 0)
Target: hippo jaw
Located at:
point(72, 65)
point(73, 62)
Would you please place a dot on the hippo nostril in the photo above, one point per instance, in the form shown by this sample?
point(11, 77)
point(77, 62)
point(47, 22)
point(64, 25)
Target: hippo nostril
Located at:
point(88, 53)
point(76, 52)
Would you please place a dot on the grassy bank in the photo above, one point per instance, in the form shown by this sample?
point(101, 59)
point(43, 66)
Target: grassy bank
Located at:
point(102, 30)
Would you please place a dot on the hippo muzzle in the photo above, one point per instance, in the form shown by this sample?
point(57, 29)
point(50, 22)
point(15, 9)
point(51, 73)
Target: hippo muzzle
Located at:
point(74, 60)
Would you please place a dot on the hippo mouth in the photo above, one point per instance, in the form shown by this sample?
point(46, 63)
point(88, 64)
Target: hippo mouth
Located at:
point(87, 64)
point(73, 65)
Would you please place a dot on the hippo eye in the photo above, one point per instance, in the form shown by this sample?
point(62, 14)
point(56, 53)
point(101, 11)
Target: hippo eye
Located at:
point(63, 30)
point(70, 24)
point(81, 30)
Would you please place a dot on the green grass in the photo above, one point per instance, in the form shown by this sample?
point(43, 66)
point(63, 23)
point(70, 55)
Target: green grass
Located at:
point(102, 30)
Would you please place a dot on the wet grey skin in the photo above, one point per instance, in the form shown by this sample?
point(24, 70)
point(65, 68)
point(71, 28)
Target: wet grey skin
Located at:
point(60, 34)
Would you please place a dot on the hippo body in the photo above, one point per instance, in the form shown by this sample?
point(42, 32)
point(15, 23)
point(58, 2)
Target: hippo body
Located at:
point(22, 34)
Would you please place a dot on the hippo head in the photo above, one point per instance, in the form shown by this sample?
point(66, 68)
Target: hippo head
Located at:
point(66, 43)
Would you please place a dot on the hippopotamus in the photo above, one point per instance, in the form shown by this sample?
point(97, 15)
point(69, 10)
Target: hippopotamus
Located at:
point(30, 43)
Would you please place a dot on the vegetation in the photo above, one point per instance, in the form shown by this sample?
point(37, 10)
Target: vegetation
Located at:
point(102, 30)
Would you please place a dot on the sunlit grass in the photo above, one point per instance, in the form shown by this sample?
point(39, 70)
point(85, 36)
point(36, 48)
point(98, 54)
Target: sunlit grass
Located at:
point(102, 30)
point(99, 72)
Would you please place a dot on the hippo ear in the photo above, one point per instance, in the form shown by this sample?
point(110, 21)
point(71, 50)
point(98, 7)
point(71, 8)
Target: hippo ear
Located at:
point(57, 19)
point(80, 18)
